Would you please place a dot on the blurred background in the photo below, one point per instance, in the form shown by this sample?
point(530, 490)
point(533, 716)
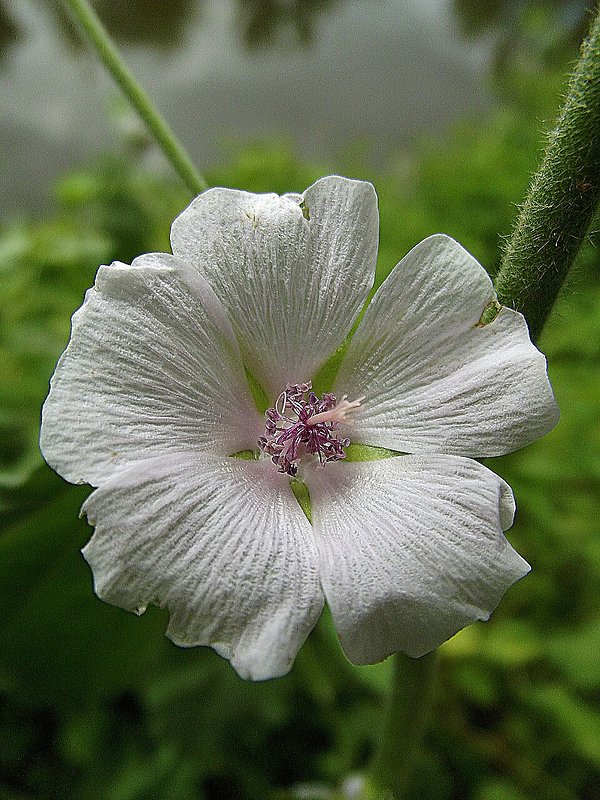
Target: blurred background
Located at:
point(442, 104)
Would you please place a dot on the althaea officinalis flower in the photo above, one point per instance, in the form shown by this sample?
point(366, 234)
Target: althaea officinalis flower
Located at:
point(151, 400)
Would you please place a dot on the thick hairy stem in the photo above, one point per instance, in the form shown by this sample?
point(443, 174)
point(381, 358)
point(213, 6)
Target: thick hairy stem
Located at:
point(562, 199)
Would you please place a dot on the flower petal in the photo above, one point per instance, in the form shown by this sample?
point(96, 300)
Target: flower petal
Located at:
point(412, 550)
point(152, 366)
point(435, 381)
point(222, 543)
point(292, 273)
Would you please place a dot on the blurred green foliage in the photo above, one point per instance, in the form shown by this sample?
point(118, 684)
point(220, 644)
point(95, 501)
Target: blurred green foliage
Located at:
point(96, 703)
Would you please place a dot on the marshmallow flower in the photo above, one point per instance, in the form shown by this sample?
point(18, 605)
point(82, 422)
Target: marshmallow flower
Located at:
point(151, 400)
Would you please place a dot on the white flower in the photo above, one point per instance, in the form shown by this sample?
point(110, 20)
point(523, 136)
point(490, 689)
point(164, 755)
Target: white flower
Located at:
point(150, 400)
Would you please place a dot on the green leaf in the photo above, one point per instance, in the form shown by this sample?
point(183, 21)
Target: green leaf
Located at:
point(60, 643)
point(577, 722)
point(575, 653)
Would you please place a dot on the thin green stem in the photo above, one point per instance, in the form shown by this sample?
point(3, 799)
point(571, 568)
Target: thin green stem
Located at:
point(404, 727)
point(164, 136)
point(562, 199)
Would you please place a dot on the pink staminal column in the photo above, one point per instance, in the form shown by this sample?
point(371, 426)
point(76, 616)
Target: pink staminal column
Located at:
point(302, 424)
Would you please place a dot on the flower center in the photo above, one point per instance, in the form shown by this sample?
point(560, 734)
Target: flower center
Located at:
point(302, 424)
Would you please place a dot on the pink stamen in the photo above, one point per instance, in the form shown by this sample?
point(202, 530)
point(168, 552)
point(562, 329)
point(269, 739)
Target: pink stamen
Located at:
point(301, 423)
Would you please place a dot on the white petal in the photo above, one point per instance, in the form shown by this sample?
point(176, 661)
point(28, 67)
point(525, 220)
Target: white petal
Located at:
point(293, 286)
point(152, 366)
point(222, 543)
point(412, 550)
point(434, 381)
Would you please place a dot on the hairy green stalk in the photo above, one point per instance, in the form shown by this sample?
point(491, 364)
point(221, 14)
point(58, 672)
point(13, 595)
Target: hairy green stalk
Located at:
point(160, 131)
point(404, 727)
point(562, 199)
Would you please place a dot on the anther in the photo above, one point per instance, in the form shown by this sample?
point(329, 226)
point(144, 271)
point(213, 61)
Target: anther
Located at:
point(301, 424)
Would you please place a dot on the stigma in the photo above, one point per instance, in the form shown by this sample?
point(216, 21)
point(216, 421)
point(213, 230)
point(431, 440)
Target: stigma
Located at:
point(300, 424)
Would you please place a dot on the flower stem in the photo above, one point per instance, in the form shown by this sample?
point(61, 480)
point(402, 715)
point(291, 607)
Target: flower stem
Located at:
point(562, 198)
point(164, 136)
point(404, 726)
